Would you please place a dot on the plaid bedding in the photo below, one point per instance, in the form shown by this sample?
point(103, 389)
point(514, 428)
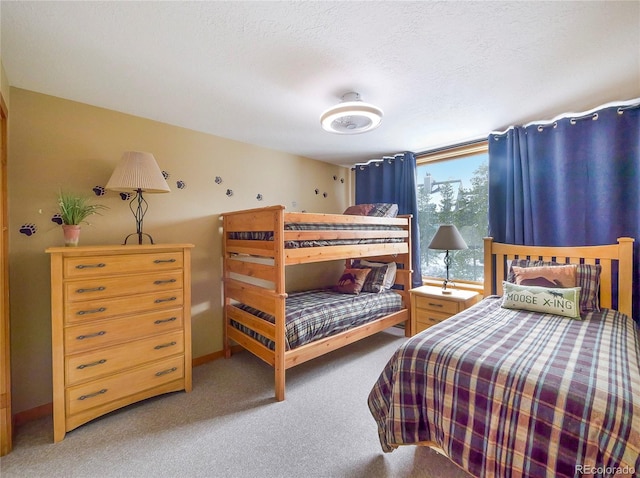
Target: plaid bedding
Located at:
point(319, 313)
point(310, 226)
point(513, 393)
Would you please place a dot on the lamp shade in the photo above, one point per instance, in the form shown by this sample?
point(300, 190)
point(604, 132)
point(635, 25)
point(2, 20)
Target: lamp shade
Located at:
point(447, 238)
point(138, 171)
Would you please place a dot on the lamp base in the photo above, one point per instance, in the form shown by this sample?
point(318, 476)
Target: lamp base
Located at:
point(139, 234)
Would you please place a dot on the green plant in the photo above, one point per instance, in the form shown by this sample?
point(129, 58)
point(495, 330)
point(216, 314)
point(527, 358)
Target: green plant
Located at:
point(75, 209)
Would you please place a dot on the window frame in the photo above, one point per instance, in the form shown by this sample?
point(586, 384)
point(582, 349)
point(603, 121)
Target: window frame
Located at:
point(449, 153)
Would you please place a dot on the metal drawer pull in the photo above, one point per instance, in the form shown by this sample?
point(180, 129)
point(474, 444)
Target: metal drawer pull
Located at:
point(159, 261)
point(168, 281)
point(435, 305)
point(157, 301)
point(92, 364)
point(97, 334)
point(95, 289)
point(91, 395)
point(92, 311)
point(162, 346)
point(164, 372)
point(161, 321)
point(89, 266)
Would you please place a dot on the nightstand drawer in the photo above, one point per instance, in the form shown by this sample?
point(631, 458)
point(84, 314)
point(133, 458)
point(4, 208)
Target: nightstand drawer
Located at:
point(434, 303)
point(427, 318)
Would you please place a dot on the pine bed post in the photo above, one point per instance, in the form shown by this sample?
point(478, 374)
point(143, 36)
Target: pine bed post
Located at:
point(489, 273)
point(227, 301)
point(625, 275)
point(280, 305)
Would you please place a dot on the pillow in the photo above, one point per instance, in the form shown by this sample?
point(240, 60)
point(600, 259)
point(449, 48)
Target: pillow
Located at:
point(359, 210)
point(587, 278)
point(379, 209)
point(351, 281)
point(546, 276)
point(558, 301)
point(390, 274)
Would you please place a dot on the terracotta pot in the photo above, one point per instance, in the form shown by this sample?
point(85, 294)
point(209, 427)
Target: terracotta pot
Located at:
point(71, 234)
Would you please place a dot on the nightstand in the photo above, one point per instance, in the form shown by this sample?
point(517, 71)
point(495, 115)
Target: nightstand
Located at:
point(430, 306)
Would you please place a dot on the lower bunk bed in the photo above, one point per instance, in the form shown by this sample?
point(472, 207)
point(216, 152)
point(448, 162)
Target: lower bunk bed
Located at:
point(287, 329)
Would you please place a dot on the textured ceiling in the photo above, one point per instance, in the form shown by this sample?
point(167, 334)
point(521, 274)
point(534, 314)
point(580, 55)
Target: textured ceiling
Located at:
point(263, 72)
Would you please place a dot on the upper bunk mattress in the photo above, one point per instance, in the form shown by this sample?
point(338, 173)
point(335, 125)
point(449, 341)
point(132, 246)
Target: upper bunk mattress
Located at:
point(319, 313)
point(310, 226)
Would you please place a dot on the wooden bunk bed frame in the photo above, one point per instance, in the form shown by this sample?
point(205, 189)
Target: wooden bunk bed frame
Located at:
point(260, 283)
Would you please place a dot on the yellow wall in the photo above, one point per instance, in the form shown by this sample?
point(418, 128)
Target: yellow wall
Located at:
point(59, 144)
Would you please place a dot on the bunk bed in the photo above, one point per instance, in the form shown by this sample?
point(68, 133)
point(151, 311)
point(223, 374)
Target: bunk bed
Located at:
point(512, 392)
point(259, 244)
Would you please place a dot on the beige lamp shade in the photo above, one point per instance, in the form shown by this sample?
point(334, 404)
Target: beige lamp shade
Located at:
point(447, 238)
point(138, 171)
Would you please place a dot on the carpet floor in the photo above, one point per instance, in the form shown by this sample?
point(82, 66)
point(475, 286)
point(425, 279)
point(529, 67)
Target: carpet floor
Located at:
point(231, 426)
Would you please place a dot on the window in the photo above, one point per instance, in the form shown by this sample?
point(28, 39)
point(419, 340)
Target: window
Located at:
point(453, 188)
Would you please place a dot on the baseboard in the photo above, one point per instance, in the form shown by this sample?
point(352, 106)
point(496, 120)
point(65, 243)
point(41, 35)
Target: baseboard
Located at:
point(25, 416)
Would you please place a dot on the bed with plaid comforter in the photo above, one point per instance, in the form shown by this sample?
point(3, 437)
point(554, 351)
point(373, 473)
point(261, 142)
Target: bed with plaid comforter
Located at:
point(319, 313)
point(509, 393)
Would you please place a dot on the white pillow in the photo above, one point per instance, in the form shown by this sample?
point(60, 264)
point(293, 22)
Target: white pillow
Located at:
point(389, 277)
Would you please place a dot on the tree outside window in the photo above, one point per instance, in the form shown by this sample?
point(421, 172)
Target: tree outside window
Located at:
point(453, 188)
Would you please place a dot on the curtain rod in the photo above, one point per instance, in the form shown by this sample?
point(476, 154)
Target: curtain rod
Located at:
point(592, 114)
point(451, 146)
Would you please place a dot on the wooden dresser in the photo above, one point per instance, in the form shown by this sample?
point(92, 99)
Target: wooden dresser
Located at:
point(121, 327)
point(430, 306)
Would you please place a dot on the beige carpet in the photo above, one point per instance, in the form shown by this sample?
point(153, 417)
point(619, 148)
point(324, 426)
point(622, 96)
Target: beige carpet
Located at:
point(230, 426)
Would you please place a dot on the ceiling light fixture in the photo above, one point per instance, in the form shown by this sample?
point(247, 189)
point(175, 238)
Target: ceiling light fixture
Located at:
point(351, 116)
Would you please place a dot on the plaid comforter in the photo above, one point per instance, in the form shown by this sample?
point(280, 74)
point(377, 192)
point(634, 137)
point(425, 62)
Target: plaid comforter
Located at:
point(312, 226)
point(509, 393)
point(314, 314)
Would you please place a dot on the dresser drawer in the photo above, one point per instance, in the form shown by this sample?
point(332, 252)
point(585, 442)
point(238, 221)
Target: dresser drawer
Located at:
point(107, 389)
point(88, 310)
point(90, 365)
point(434, 303)
point(79, 338)
point(89, 266)
point(104, 287)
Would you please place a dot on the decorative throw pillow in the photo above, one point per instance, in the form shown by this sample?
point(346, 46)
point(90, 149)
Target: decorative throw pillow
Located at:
point(390, 274)
point(383, 209)
point(359, 210)
point(381, 277)
point(564, 301)
point(351, 281)
point(546, 276)
point(587, 278)
point(379, 209)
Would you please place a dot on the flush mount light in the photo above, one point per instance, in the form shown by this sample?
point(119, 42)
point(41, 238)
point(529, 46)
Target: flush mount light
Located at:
point(351, 116)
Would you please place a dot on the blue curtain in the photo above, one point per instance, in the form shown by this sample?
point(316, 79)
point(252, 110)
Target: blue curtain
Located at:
point(572, 182)
point(393, 180)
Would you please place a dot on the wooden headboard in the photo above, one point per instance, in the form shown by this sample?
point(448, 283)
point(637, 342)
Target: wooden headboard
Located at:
point(612, 257)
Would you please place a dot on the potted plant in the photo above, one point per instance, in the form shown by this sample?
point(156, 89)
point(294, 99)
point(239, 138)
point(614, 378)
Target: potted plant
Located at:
point(74, 210)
